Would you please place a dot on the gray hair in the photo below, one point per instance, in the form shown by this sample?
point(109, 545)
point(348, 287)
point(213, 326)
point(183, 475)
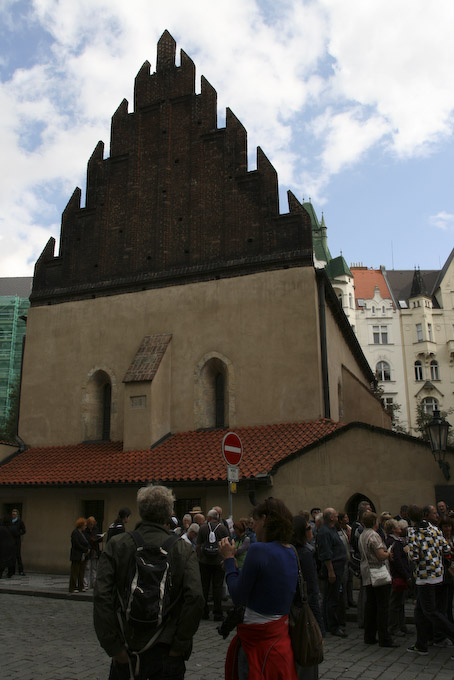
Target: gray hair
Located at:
point(402, 523)
point(194, 527)
point(213, 514)
point(187, 516)
point(155, 503)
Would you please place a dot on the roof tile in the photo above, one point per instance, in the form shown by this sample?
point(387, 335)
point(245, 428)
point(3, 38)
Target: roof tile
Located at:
point(184, 456)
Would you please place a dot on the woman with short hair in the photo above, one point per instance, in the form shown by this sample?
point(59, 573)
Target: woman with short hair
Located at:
point(79, 550)
point(266, 586)
point(374, 554)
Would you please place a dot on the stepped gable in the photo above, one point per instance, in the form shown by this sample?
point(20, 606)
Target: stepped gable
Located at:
point(174, 202)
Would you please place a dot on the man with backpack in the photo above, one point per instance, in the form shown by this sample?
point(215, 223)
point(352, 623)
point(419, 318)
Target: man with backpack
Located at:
point(148, 597)
point(210, 562)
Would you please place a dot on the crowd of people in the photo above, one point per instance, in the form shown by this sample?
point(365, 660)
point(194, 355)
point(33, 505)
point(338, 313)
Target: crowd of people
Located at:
point(255, 560)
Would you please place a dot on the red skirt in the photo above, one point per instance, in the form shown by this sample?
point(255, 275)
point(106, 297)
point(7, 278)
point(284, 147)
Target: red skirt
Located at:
point(268, 650)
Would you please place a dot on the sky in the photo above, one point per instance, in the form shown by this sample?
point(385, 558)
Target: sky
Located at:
point(352, 102)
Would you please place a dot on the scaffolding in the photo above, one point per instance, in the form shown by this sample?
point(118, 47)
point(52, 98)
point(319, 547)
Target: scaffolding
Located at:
point(12, 331)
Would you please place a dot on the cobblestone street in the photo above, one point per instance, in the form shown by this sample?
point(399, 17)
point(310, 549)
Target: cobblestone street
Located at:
point(53, 639)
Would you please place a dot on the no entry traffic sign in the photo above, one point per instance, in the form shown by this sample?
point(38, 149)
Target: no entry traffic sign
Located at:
point(232, 448)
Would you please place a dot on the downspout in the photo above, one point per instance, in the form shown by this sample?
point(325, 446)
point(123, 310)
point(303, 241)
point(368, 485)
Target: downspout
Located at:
point(323, 344)
point(22, 444)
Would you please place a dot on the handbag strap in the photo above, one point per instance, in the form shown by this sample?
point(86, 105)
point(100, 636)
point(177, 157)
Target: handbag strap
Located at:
point(301, 581)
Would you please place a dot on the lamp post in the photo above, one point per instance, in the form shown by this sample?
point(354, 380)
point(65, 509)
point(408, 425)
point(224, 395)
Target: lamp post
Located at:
point(437, 430)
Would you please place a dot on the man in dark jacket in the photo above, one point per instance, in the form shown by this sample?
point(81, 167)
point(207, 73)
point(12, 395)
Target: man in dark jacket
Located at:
point(333, 557)
point(17, 531)
point(166, 657)
point(210, 563)
point(119, 526)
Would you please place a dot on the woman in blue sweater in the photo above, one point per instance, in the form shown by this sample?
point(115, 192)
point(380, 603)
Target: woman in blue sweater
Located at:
point(265, 585)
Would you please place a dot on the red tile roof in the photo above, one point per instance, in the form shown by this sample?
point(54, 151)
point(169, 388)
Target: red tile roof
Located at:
point(185, 456)
point(365, 282)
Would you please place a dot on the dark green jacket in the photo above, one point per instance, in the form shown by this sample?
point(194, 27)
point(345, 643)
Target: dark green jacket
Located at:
point(183, 619)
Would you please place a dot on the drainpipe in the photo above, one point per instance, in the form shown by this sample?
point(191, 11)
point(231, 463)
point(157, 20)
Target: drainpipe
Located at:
point(323, 343)
point(22, 444)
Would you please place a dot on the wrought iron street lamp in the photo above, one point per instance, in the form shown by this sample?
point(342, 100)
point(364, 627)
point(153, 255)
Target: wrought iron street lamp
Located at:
point(437, 430)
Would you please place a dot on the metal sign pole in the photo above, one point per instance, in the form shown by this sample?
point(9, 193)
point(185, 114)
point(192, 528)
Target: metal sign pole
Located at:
point(230, 502)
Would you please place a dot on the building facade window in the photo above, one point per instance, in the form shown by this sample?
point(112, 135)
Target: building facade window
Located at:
point(380, 335)
point(429, 332)
point(434, 370)
point(418, 371)
point(419, 332)
point(429, 404)
point(98, 404)
point(214, 403)
point(383, 371)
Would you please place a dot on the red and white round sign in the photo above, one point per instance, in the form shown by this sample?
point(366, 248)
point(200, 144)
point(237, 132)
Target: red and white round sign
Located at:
point(232, 448)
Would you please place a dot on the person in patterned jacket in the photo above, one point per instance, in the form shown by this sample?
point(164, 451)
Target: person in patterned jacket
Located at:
point(427, 546)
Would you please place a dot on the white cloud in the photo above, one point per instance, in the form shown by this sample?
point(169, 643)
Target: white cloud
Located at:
point(340, 79)
point(442, 220)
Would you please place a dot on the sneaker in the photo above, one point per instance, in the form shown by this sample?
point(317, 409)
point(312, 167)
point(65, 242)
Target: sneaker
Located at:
point(414, 649)
point(443, 643)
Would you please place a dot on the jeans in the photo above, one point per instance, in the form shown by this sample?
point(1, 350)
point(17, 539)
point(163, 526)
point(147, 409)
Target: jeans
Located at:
point(397, 611)
point(155, 664)
point(430, 616)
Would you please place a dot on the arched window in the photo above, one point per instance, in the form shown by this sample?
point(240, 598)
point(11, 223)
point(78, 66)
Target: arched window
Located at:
point(429, 404)
point(213, 397)
point(418, 371)
point(383, 371)
point(434, 371)
point(97, 410)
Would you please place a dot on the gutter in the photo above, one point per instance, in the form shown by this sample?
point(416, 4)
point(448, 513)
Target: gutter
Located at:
point(323, 345)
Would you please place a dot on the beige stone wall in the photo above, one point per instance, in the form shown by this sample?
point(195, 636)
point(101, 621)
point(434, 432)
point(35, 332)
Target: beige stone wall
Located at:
point(49, 516)
point(264, 324)
point(359, 404)
point(7, 450)
point(387, 469)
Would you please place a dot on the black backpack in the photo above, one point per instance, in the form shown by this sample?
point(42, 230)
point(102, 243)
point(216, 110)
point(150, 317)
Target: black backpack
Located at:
point(210, 545)
point(145, 600)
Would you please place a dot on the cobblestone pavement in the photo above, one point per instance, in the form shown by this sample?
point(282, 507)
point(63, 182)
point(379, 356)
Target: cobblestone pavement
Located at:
point(44, 638)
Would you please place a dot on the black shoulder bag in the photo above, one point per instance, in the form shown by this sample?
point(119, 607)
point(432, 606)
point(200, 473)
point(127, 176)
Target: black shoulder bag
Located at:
point(305, 634)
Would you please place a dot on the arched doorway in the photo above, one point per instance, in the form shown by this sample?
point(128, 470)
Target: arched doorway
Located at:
point(351, 506)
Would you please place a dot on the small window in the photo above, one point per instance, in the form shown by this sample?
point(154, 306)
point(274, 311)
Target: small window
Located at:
point(429, 332)
point(350, 300)
point(434, 370)
point(419, 332)
point(383, 371)
point(139, 402)
point(418, 371)
point(429, 404)
point(380, 335)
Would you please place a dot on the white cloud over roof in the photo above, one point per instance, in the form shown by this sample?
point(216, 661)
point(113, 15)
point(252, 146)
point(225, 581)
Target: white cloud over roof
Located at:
point(318, 85)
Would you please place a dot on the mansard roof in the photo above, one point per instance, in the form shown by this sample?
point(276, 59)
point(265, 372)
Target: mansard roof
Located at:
point(366, 281)
point(174, 202)
point(181, 457)
point(401, 281)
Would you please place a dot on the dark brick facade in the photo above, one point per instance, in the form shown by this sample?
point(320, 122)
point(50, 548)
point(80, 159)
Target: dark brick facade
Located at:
point(174, 202)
